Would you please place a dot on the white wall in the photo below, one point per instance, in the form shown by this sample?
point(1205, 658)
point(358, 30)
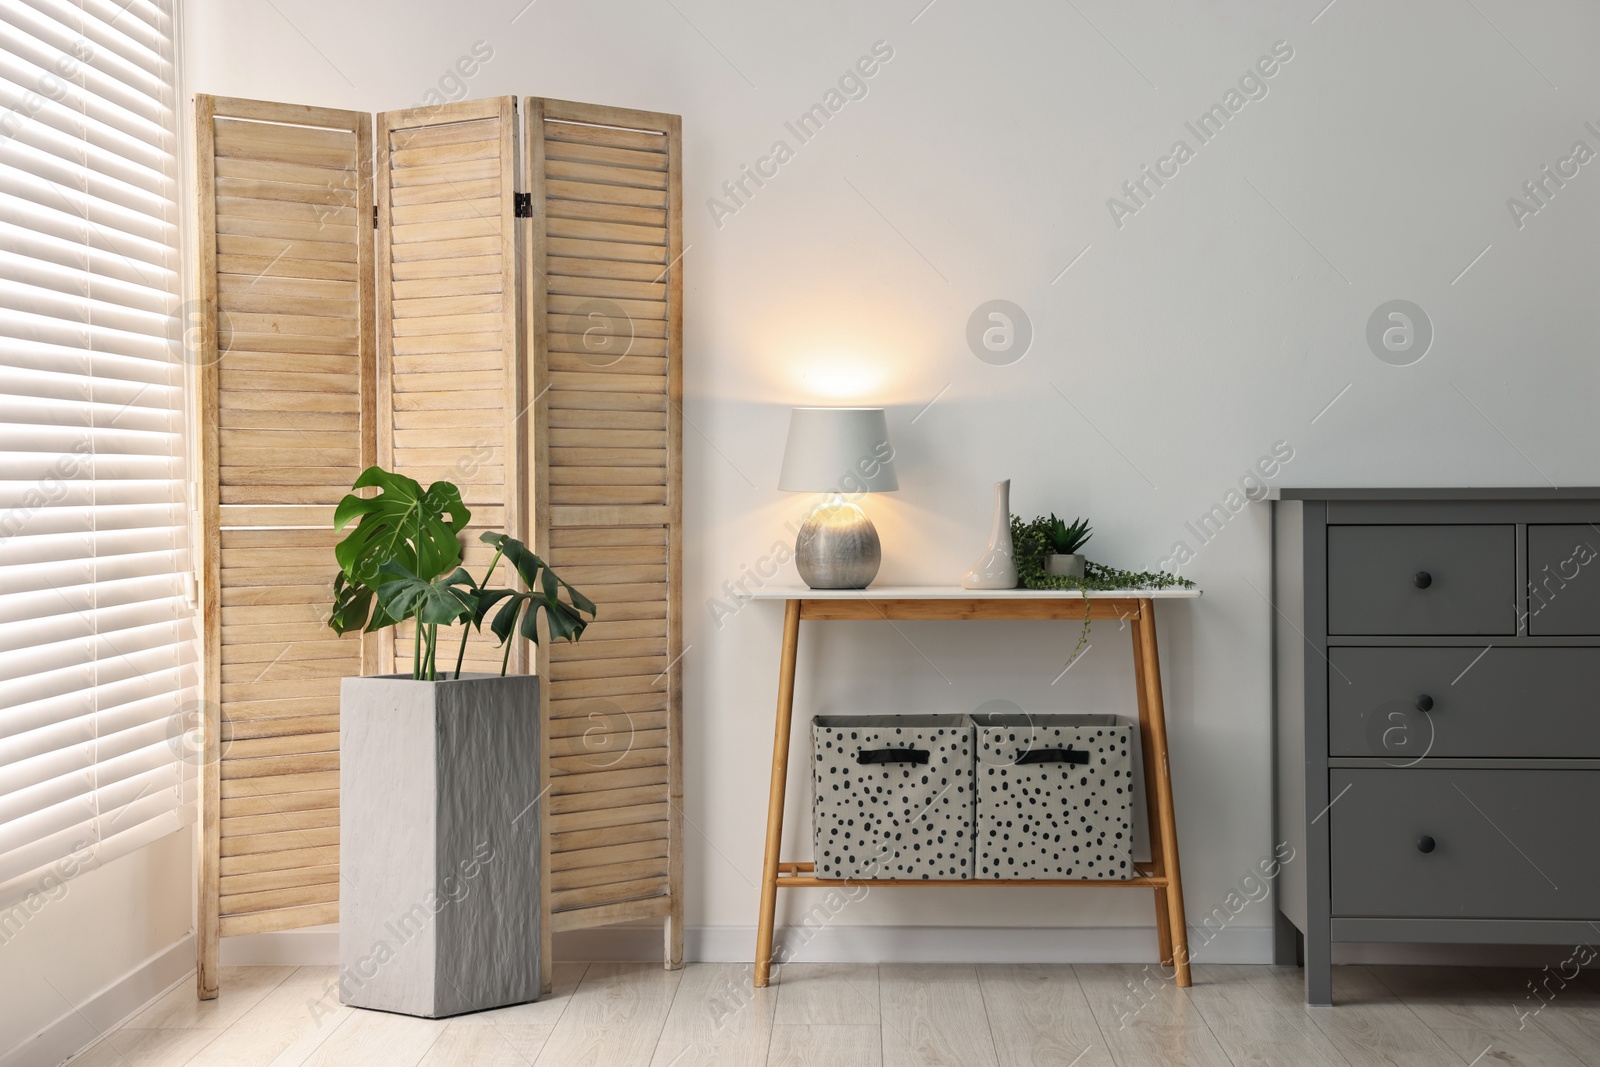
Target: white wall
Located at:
point(1222, 317)
point(90, 952)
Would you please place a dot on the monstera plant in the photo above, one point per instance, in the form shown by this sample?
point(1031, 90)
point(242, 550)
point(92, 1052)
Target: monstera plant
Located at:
point(439, 772)
point(402, 562)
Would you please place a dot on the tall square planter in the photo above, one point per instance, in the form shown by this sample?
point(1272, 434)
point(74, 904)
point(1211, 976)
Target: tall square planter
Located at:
point(439, 843)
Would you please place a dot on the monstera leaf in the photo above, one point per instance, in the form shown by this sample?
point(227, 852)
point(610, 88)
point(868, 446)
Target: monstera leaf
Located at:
point(417, 529)
point(352, 606)
point(403, 561)
point(562, 619)
point(443, 601)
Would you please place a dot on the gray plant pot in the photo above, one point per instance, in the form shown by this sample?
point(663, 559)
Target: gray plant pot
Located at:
point(1064, 566)
point(439, 843)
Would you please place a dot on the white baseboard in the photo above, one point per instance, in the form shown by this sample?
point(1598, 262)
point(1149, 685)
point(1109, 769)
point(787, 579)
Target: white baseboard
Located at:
point(917, 944)
point(829, 944)
point(107, 1009)
point(910, 944)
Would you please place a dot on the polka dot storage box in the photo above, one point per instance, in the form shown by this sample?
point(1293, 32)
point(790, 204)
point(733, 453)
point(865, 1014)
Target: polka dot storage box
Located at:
point(1055, 797)
point(893, 796)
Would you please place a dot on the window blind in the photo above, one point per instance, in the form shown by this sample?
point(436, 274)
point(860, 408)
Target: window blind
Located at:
point(97, 652)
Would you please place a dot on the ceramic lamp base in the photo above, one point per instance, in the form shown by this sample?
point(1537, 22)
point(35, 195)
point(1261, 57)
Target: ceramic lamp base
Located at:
point(838, 547)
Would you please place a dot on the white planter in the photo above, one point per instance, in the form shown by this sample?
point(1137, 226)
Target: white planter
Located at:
point(439, 843)
point(1063, 566)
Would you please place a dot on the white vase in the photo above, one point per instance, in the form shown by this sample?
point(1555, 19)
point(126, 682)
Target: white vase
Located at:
point(996, 568)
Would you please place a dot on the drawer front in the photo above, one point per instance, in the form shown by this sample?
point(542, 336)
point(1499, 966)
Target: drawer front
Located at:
point(893, 801)
point(1506, 844)
point(1563, 580)
point(1406, 703)
point(1055, 801)
point(1425, 580)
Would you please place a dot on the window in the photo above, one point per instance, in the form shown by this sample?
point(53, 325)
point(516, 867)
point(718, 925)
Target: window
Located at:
point(97, 652)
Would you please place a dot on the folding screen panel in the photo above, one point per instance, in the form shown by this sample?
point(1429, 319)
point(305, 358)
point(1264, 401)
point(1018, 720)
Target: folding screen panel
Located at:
point(286, 355)
point(539, 374)
point(450, 367)
point(605, 310)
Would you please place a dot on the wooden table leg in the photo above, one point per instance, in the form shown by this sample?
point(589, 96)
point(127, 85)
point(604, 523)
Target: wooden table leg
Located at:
point(1171, 930)
point(1151, 802)
point(780, 783)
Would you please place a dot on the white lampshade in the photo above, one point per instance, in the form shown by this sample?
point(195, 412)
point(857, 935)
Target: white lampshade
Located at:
point(838, 450)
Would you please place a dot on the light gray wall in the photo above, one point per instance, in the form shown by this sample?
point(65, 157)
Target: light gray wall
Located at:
point(1221, 318)
point(84, 954)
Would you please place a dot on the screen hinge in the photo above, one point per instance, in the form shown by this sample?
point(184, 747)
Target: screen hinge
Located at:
point(374, 216)
point(524, 205)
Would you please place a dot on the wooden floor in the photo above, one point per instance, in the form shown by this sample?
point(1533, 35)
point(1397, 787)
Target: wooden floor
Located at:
point(838, 1015)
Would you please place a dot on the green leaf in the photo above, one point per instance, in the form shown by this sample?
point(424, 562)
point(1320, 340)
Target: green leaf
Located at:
point(402, 560)
point(352, 605)
point(486, 599)
point(438, 602)
point(414, 527)
point(1064, 539)
point(563, 619)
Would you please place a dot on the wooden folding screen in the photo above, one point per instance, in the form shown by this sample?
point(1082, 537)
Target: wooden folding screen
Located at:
point(537, 366)
point(451, 397)
point(605, 309)
point(285, 353)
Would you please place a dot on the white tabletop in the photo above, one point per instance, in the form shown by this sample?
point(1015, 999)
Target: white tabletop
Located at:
point(955, 592)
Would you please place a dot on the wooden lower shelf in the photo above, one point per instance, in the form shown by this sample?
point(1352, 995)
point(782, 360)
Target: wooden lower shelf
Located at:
point(802, 876)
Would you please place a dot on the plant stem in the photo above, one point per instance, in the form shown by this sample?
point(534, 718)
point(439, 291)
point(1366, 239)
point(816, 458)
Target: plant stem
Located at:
point(416, 653)
point(416, 647)
point(505, 660)
point(466, 630)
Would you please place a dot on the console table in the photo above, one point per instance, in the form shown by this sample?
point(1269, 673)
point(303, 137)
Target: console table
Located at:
point(917, 603)
point(1438, 752)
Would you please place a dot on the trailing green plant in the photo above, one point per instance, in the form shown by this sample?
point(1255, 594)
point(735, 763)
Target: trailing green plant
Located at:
point(403, 561)
point(1032, 541)
point(1067, 540)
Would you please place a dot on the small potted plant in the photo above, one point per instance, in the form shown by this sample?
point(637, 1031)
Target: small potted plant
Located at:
point(1039, 542)
point(1064, 559)
point(438, 770)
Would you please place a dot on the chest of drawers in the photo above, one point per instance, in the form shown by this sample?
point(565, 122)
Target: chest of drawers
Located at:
point(1437, 718)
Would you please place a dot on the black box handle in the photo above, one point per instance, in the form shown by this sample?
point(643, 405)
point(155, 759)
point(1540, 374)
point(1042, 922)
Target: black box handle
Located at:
point(1052, 755)
point(892, 755)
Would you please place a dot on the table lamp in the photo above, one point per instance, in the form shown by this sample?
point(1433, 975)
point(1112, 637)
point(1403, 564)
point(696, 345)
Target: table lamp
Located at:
point(838, 451)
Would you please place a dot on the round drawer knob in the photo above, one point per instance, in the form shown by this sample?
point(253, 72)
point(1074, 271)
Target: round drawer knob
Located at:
point(1424, 702)
point(1425, 843)
point(1422, 579)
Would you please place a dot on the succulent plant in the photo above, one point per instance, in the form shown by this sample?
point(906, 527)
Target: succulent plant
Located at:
point(1065, 540)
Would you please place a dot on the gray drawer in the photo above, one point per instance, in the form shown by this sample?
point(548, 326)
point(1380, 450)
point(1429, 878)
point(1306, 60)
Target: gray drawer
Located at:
point(1511, 702)
point(1426, 580)
point(1506, 844)
point(1563, 580)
